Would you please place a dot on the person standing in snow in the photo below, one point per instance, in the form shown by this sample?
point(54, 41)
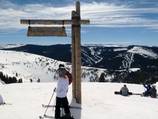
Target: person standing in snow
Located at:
point(1, 100)
point(64, 80)
point(148, 88)
point(124, 91)
point(153, 91)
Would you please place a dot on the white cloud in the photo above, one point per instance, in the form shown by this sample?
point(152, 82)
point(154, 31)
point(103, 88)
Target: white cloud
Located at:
point(119, 16)
point(100, 14)
point(10, 17)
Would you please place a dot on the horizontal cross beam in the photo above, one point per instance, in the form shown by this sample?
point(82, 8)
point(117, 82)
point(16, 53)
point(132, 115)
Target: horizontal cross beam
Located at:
point(50, 22)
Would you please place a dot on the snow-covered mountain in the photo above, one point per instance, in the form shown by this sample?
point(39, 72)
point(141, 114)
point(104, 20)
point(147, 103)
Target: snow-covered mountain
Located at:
point(24, 101)
point(27, 66)
point(120, 61)
point(100, 56)
point(6, 46)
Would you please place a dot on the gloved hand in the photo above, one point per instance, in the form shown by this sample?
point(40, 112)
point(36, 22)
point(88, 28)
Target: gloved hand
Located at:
point(54, 90)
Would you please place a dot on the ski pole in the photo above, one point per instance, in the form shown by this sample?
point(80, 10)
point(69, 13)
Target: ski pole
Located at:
point(49, 101)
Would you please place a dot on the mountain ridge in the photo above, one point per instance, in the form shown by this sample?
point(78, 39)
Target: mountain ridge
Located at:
point(117, 60)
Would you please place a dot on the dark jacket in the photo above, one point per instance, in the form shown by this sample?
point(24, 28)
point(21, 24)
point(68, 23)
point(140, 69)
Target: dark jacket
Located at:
point(124, 91)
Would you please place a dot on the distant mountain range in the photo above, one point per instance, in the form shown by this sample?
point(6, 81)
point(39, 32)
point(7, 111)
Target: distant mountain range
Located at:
point(119, 61)
point(100, 56)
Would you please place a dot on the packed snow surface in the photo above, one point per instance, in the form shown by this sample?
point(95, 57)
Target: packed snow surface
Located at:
point(98, 102)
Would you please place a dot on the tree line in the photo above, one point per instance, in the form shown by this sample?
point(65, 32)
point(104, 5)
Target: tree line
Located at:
point(7, 79)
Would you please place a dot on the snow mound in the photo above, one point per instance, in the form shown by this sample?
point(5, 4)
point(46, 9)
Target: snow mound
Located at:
point(144, 52)
point(24, 101)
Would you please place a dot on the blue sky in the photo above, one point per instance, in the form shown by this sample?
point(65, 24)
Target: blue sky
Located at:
point(112, 21)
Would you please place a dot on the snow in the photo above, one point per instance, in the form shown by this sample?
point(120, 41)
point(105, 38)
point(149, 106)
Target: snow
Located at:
point(24, 102)
point(120, 49)
point(134, 69)
point(94, 58)
point(28, 66)
point(128, 60)
point(107, 45)
point(144, 52)
point(5, 46)
point(89, 74)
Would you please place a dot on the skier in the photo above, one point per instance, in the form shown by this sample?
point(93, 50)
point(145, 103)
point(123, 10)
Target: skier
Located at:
point(148, 88)
point(153, 91)
point(38, 80)
point(124, 91)
point(64, 80)
point(1, 100)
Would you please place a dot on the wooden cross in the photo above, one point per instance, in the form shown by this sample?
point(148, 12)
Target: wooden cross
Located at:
point(76, 42)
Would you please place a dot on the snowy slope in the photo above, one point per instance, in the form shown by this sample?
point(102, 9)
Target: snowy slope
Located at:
point(24, 102)
point(93, 57)
point(30, 66)
point(143, 52)
point(6, 46)
point(27, 66)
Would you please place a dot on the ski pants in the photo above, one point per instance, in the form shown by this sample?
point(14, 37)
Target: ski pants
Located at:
point(61, 103)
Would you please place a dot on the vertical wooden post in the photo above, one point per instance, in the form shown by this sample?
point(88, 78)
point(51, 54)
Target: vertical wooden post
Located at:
point(73, 57)
point(76, 53)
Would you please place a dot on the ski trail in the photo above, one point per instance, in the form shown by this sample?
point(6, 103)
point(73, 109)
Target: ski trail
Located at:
point(128, 60)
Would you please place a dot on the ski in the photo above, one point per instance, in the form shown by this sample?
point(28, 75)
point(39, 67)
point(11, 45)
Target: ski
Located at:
point(41, 117)
point(52, 117)
point(119, 93)
point(46, 116)
point(71, 107)
point(130, 93)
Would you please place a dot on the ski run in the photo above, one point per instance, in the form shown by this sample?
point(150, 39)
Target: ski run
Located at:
point(24, 101)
